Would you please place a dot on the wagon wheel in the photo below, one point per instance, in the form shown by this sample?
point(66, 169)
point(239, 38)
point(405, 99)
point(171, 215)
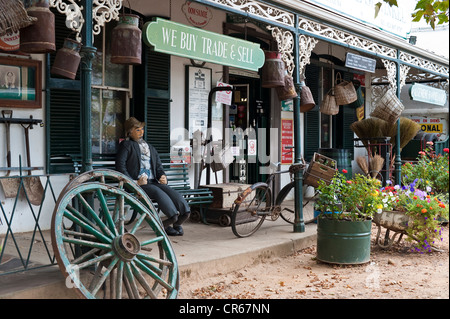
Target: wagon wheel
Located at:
point(117, 179)
point(101, 257)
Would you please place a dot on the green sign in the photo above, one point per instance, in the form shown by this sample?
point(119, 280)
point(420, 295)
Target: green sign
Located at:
point(427, 94)
point(181, 40)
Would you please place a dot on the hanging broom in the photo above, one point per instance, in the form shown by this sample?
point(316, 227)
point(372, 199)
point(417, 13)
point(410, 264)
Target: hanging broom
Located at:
point(408, 129)
point(368, 128)
point(362, 162)
point(376, 165)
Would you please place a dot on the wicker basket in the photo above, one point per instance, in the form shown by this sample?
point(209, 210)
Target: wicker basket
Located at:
point(320, 168)
point(344, 91)
point(329, 105)
point(389, 108)
point(287, 91)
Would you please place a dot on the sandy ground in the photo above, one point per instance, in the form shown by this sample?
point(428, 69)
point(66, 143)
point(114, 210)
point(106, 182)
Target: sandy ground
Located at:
point(397, 273)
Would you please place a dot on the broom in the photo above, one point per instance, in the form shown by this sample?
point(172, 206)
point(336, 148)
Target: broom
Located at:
point(376, 164)
point(362, 162)
point(368, 128)
point(408, 129)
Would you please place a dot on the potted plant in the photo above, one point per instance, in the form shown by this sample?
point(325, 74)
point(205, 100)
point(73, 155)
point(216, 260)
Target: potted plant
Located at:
point(414, 212)
point(343, 237)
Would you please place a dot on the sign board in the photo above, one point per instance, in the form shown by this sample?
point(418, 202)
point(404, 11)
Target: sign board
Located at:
point(224, 97)
point(287, 141)
point(427, 94)
point(198, 15)
point(198, 86)
point(251, 148)
point(360, 62)
point(194, 43)
point(430, 125)
point(10, 42)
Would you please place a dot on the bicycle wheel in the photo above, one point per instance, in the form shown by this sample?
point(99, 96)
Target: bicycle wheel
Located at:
point(252, 207)
point(287, 213)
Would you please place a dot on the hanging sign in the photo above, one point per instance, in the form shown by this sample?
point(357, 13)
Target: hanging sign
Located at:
point(427, 94)
point(224, 97)
point(194, 43)
point(429, 125)
point(359, 62)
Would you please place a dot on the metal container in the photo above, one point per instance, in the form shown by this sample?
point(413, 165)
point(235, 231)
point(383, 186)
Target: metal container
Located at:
point(40, 36)
point(273, 70)
point(67, 59)
point(343, 241)
point(126, 44)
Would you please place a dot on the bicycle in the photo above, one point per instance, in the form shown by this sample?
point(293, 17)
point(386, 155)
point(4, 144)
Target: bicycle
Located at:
point(254, 204)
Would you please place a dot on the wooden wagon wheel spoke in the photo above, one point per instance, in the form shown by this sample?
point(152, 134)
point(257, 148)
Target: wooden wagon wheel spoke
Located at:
point(101, 257)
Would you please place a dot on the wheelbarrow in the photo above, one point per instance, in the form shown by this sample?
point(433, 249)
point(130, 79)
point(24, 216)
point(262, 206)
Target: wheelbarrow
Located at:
point(396, 222)
point(98, 254)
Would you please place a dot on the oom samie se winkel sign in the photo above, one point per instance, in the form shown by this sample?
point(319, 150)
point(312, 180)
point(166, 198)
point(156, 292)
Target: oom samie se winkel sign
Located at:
point(181, 40)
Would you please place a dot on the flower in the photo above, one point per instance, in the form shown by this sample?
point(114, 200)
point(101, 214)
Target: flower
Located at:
point(353, 199)
point(424, 209)
point(430, 170)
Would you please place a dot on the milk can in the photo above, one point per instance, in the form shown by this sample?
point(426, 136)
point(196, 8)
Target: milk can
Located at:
point(40, 36)
point(126, 44)
point(273, 70)
point(67, 59)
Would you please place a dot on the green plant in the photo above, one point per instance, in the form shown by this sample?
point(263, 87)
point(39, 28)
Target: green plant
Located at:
point(349, 199)
point(425, 210)
point(431, 170)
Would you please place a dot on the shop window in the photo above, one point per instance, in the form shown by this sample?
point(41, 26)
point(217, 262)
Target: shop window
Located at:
point(110, 89)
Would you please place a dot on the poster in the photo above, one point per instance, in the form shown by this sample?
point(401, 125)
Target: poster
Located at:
point(198, 88)
point(287, 141)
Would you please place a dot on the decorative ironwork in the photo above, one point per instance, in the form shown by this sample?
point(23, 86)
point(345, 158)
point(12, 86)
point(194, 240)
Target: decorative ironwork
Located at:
point(285, 41)
point(345, 38)
point(103, 11)
point(423, 63)
point(306, 45)
point(259, 10)
point(74, 15)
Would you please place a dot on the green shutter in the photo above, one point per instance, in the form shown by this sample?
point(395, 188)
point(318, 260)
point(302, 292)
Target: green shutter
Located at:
point(62, 111)
point(157, 100)
point(312, 118)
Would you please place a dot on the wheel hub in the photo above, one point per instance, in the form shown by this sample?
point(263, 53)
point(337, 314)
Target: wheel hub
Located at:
point(126, 246)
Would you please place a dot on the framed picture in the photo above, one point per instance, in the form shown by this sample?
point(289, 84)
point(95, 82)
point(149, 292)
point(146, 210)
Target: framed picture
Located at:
point(20, 83)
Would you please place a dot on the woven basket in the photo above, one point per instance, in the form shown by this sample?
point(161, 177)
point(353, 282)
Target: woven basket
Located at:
point(329, 105)
point(360, 99)
point(389, 108)
point(307, 102)
point(344, 91)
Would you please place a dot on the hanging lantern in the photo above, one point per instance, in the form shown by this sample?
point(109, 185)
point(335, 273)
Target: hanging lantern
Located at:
point(40, 36)
point(273, 70)
point(126, 44)
point(67, 59)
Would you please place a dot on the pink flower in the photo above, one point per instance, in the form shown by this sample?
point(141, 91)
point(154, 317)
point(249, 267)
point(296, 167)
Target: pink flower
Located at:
point(344, 171)
point(446, 150)
point(430, 143)
point(421, 153)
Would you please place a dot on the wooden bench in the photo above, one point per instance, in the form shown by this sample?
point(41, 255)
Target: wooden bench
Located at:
point(177, 174)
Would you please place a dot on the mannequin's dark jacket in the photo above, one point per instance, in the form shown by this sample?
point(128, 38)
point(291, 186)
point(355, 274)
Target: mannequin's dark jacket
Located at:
point(128, 160)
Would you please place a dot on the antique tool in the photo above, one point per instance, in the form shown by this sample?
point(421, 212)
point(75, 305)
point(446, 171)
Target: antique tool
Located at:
point(32, 185)
point(10, 185)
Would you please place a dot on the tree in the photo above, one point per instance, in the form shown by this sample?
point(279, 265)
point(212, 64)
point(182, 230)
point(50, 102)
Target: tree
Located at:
point(431, 10)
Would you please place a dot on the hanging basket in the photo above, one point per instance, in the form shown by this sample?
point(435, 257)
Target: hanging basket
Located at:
point(329, 105)
point(344, 91)
point(273, 70)
point(389, 108)
point(287, 91)
point(359, 96)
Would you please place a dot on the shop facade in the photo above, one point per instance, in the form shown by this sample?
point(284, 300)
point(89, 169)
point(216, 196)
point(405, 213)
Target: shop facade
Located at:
point(82, 118)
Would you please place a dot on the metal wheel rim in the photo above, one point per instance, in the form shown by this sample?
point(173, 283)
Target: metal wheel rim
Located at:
point(113, 256)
